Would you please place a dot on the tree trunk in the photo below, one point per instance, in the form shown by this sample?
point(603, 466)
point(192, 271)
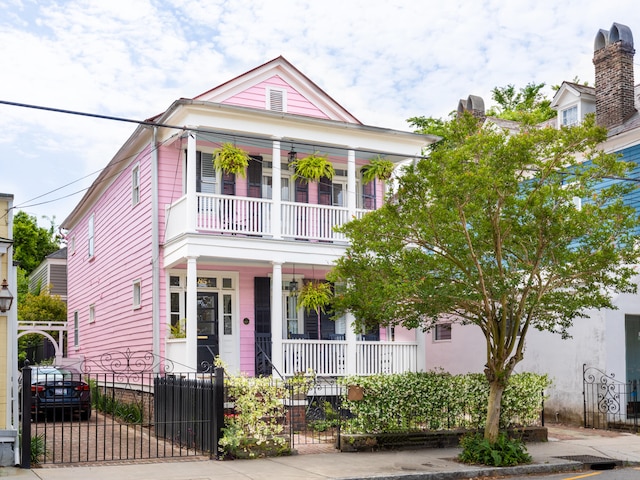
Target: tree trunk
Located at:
point(492, 428)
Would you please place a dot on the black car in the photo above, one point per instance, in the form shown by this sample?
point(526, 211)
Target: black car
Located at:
point(59, 390)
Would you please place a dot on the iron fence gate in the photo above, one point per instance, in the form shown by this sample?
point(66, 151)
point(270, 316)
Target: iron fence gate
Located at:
point(122, 406)
point(609, 402)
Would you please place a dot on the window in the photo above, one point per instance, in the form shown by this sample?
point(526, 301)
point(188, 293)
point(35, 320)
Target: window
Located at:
point(570, 116)
point(227, 315)
point(76, 329)
point(90, 235)
point(92, 313)
point(135, 185)
point(276, 100)
point(205, 173)
point(137, 294)
point(442, 332)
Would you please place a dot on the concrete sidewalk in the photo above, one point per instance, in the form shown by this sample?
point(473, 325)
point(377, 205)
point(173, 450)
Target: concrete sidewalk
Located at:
point(402, 465)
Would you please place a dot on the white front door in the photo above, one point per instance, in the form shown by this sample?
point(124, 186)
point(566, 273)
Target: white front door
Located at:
point(228, 331)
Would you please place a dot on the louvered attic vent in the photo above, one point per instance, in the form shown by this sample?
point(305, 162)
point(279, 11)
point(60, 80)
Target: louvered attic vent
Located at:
point(276, 101)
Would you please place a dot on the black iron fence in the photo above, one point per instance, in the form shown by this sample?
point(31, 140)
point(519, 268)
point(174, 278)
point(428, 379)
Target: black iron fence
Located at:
point(609, 403)
point(133, 412)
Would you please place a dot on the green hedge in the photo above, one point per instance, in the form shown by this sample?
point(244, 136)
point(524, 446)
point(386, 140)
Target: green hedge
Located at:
point(439, 401)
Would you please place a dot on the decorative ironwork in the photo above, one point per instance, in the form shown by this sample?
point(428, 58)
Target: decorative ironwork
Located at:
point(128, 364)
point(607, 389)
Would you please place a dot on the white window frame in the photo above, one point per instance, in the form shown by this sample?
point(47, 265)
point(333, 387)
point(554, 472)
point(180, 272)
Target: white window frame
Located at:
point(76, 329)
point(564, 114)
point(437, 336)
point(137, 294)
point(135, 184)
point(92, 313)
point(91, 235)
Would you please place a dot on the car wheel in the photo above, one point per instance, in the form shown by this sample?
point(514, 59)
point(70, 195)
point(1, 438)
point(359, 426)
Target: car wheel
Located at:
point(86, 414)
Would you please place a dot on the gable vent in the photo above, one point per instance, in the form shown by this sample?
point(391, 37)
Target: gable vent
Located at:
point(276, 100)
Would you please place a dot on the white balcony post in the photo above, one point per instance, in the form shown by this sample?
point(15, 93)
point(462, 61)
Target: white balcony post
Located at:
point(276, 191)
point(421, 351)
point(350, 337)
point(191, 182)
point(276, 317)
point(192, 313)
point(351, 183)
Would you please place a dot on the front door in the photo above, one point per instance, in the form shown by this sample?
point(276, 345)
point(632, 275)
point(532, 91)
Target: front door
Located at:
point(207, 330)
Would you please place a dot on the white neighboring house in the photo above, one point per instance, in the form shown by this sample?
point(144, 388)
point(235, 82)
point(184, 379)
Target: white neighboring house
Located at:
point(52, 274)
point(608, 340)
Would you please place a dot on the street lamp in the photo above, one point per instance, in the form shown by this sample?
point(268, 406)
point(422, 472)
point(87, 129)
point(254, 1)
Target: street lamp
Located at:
point(6, 299)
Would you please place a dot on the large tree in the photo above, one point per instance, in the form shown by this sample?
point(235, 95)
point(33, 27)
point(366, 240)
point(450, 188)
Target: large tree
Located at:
point(31, 242)
point(487, 230)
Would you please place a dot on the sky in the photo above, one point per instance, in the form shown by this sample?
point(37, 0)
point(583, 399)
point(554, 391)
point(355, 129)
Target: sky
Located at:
point(383, 60)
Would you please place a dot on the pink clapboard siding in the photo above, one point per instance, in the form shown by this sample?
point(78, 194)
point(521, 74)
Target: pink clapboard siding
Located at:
point(122, 254)
point(255, 97)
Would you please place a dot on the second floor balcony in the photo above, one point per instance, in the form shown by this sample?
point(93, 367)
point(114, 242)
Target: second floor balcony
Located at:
point(222, 214)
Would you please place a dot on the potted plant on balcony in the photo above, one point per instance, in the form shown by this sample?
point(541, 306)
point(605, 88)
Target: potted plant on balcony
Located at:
point(312, 168)
point(231, 159)
point(379, 168)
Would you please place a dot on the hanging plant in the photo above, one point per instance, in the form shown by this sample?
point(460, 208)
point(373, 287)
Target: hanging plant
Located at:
point(312, 168)
point(315, 296)
point(379, 168)
point(231, 159)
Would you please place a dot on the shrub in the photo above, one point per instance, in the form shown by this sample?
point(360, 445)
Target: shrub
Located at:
point(504, 452)
point(439, 401)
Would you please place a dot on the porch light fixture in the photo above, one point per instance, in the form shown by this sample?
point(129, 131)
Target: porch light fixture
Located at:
point(6, 299)
point(292, 155)
point(293, 284)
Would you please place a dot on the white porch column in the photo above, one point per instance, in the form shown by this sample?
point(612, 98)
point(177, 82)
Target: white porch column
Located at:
point(192, 313)
point(192, 207)
point(276, 317)
point(351, 183)
point(350, 337)
point(421, 360)
point(276, 191)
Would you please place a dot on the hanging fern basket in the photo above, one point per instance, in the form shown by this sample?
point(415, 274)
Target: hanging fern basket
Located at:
point(378, 168)
point(231, 159)
point(315, 296)
point(312, 168)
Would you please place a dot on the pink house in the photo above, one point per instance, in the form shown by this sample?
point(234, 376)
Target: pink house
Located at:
point(168, 255)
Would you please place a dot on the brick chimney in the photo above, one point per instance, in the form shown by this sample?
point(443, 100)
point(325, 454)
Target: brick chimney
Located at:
point(474, 105)
point(613, 60)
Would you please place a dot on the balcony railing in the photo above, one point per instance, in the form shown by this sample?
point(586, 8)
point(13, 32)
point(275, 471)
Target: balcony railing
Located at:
point(254, 216)
point(330, 358)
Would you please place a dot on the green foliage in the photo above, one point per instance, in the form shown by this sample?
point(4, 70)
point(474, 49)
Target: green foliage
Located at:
point(231, 159)
point(428, 125)
point(109, 404)
point(379, 168)
point(329, 418)
point(178, 331)
point(439, 401)
point(527, 105)
point(255, 427)
point(315, 296)
point(485, 231)
point(38, 449)
point(504, 452)
point(31, 244)
point(312, 168)
point(38, 307)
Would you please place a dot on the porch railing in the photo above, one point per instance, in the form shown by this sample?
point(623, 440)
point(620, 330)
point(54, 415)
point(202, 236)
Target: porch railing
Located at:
point(254, 216)
point(329, 358)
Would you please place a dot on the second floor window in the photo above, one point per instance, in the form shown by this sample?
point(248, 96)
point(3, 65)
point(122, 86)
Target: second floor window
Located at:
point(570, 116)
point(90, 236)
point(135, 185)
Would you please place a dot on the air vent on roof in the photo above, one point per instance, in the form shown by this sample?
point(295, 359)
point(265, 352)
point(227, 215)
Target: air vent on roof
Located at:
point(276, 100)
